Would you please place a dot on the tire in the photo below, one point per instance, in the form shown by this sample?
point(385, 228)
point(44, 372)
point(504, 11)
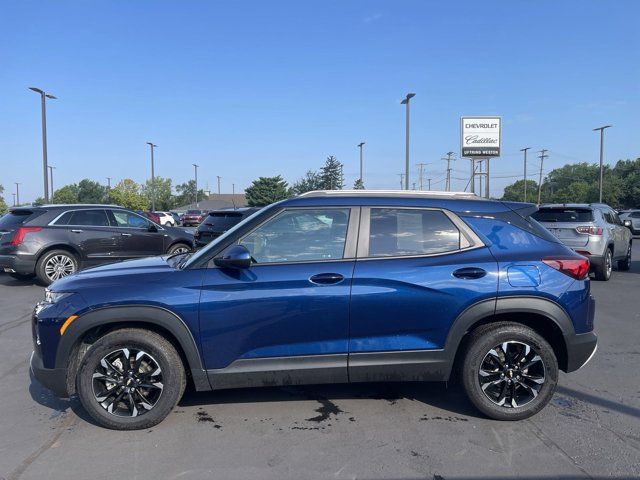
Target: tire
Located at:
point(169, 224)
point(106, 357)
point(55, 264)
point(512, 393)
point(179, 248)
point(602, 269)
point(625, 264)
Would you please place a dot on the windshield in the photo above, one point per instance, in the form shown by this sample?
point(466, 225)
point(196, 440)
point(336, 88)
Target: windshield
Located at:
point(576, 215)
point(193, 212)
point(223, 219)
point(221, 239)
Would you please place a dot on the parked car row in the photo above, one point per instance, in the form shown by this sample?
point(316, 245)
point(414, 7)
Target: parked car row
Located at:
point(218, 222)
point(54, 241)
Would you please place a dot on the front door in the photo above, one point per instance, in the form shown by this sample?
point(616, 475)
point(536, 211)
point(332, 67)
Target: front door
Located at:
point(135, 237)
point(285, 319)
point(417, 270)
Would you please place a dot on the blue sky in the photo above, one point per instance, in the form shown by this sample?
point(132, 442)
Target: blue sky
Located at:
point(249, 89)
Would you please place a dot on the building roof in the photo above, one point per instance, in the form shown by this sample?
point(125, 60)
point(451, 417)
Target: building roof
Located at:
point(216, 201)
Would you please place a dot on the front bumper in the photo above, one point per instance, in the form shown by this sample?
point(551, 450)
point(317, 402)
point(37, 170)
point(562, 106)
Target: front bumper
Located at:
point(580, 349)
point(17, 264)
point(55, 379)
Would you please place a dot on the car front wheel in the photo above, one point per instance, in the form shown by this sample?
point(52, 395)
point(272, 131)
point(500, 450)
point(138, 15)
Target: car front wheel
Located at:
point(54, 265)
point(509, 372)
point(130, 379)
point(179, 248)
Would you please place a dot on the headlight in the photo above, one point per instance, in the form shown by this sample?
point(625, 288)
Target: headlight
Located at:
point(54, 297)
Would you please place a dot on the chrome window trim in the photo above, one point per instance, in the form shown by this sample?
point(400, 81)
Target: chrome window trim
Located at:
point(52, 223)
point(468, 238)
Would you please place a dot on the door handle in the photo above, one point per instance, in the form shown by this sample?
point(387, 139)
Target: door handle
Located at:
point(469, 273)
point(76, 231)
point(326, 278)
point(125, 234)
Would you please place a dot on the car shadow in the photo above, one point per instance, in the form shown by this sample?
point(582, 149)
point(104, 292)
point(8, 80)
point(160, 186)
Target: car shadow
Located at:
point(7, 280)
point(447, 397)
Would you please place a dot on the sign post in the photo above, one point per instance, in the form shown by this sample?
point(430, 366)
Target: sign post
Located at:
point(480, 139)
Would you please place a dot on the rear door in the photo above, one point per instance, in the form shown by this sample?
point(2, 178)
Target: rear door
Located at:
point(417, 270)
point(136, 239)
point(91, 232)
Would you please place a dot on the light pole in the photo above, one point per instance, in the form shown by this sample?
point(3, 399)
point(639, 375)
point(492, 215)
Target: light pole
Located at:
point(360, 145)
point(196, 170)
point(219, 178)
point(108, 183)
point(17, 193)
point(14, 199)
point(406, 147)
point(602, 129)
point(43, 102)
point(51, 177)
point(153, 178)
point(525, 170)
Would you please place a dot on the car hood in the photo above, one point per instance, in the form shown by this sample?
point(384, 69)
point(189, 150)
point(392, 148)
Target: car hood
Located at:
point(112, 271)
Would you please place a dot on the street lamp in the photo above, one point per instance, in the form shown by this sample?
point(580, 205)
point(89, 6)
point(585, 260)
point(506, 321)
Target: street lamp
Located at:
point(43, 98)
point(601, 129)
point(17, 193)
point(406, 169)
point(196, 170)
point(525, 170)
point(153, 179)
point(51, 167)
point(360, 145)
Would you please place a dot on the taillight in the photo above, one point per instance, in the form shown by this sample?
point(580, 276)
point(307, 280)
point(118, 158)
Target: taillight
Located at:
point(577, 268)
point(589, 230)
point(21, 232)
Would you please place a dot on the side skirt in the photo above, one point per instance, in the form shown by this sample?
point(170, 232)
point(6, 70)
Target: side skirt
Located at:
point(400, 366)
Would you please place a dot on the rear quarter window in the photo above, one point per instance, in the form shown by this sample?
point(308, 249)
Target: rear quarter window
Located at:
point(14, 219)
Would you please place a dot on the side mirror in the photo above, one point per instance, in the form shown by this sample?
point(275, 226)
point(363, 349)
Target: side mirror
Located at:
point(236, 256)
point(152, 227)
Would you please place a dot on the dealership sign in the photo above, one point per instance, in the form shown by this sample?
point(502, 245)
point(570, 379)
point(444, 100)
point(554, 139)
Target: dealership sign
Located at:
point(480, 137)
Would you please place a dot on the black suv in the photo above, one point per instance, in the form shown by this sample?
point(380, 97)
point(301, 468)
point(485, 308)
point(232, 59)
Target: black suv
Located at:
point(219, 221)
point(53, 241)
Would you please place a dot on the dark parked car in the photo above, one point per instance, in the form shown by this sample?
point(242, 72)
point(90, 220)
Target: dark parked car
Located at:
point(176, 218)
point(218, 222)
point(53, 241)
point(192, 218)
point(328, 287)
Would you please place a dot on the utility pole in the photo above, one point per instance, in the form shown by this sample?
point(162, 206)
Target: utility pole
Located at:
point(525, 170)
point(360, 145)
point(233, 189)
point(429, 183)
point(406, 146)
point(17, 193)
point(401, 180)
point(413, 186)
point(153, 179)
point(219, 177)
point(472, 179)
point(601, 129)
point(542, 156)
point(422, 165)
point(51, 177)
point(14, 199)
point(108, 183)
point(43, 106)
point(196, 170)
point(448, 159)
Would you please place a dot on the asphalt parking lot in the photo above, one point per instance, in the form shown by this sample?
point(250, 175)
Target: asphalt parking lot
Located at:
point(591, 429)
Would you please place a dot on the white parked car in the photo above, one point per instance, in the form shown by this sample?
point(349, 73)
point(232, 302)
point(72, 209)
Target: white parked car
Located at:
point(166, 219)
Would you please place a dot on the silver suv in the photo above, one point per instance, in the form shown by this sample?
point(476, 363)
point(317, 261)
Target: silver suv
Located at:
point(593, 230)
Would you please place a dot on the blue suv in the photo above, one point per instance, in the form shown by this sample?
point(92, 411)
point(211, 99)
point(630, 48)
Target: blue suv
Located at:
point(327, 287)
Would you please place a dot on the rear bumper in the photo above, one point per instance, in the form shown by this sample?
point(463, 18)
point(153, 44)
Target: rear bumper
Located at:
point(580, 349)
point(17, 264)
point(55, 379)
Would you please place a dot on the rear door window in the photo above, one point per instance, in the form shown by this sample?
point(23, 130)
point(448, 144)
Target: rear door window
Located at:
point(14, 219)
point(223, 220)
point(564, 215)
point(408, 232)
point(88, 218)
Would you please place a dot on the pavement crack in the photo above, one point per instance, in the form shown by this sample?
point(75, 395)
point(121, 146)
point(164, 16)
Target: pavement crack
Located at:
point(15, 323)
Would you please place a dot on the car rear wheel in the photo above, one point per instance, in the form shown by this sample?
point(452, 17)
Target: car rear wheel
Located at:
point(602, 270)
point(130, 379)
point(179, 248)
point(625, 264)
point(54, 265)
point(509, 372)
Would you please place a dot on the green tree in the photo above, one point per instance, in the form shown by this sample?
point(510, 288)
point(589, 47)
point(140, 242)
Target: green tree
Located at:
point(311, 181)
point(39, 200)
point(267, 190)
point(187, 193)
point(515, 191)
point(331, 177)
point(127, 193)
point(3, 205)
point(163, 195)
point(66, 194)
point(358, 185)
point(91, 192)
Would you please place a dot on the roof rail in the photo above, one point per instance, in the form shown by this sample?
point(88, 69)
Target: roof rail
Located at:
point(400, 193)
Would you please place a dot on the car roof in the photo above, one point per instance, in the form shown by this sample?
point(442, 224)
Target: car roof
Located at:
point(575, 205)
point(52, 206)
